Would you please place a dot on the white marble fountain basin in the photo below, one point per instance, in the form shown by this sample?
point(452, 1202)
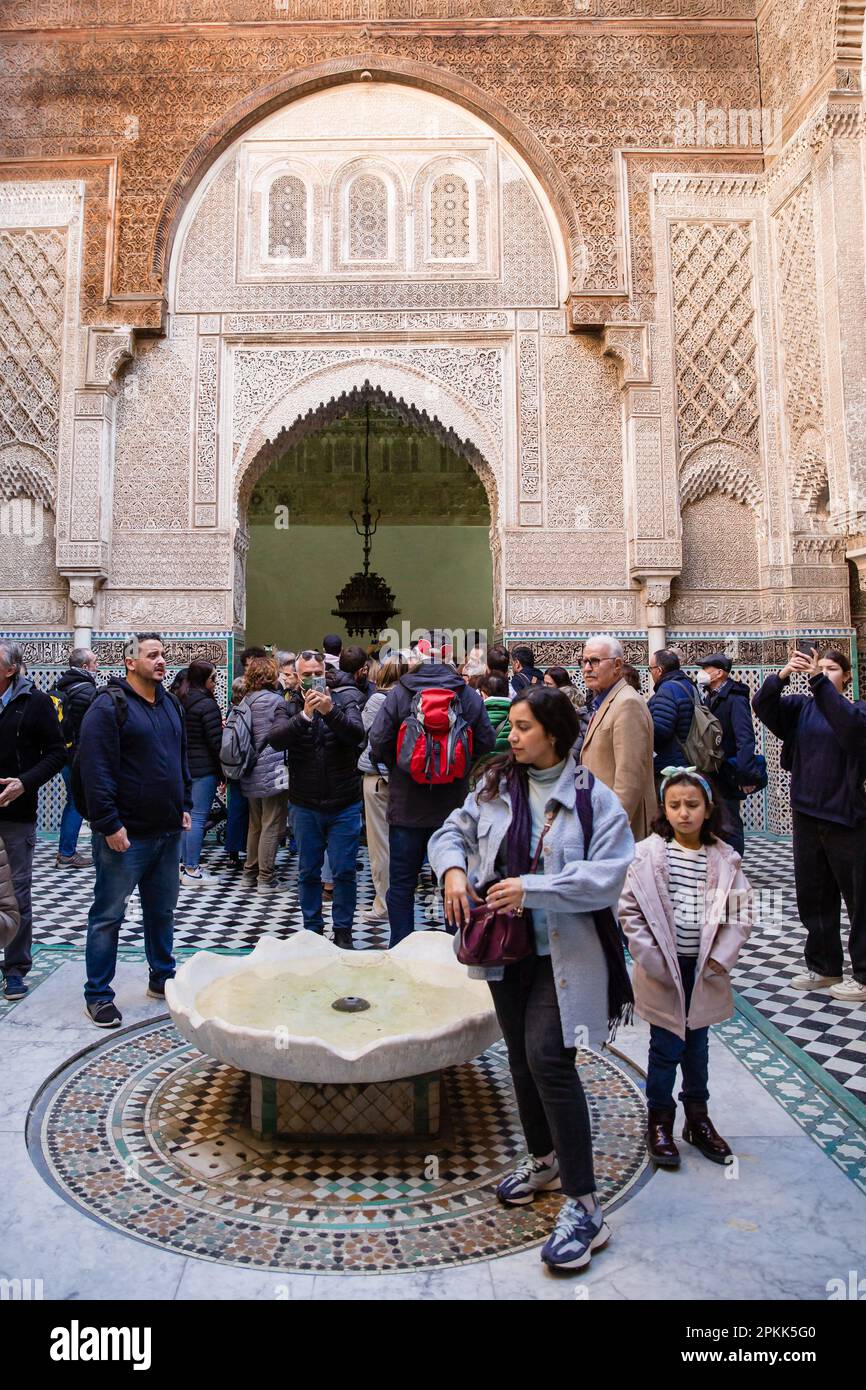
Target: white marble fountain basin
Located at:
point(271, 1012)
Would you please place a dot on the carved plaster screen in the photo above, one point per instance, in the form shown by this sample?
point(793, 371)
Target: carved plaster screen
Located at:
point(367, 219)
point(450, 235)
point(287, 218)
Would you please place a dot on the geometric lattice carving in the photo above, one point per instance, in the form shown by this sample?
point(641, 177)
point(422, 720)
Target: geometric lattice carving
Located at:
point(32, 285)
point(450, 230)
point(715, 339)
point(719, 545)
point(27, 472)
point(287, 218)
point(795, 237)
point(719, 468)
point(368, 219)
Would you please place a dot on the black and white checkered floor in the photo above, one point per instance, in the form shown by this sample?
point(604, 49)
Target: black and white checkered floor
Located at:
point(226, 914)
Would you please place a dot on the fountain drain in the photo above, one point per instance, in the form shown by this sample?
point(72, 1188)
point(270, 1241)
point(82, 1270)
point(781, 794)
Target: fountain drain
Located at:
point(350, 1004)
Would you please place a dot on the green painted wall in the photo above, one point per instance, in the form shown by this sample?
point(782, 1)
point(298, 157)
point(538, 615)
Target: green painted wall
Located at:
point(441, 576)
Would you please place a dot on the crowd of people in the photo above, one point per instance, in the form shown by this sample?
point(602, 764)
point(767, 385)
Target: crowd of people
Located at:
point(572, 820)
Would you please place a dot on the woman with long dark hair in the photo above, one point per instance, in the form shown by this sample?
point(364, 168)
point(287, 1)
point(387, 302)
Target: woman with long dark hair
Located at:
point(572, 987)
point(204, 725)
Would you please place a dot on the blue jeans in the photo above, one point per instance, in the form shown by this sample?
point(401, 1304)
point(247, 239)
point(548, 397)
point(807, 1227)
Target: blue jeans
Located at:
point(237, 820)
point(70, 821)
point(407, 845)
point(338, 832)
point(151, 864)
point(667, 1051)
point(203, 792)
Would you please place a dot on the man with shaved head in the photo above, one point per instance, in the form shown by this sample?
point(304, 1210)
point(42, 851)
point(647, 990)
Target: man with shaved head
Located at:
point(618, 747)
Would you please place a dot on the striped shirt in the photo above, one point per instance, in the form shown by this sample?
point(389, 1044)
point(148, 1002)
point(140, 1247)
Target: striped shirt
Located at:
point(687, 885)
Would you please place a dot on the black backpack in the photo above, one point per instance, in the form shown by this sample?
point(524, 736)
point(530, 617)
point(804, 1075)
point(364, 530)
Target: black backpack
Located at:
point(121, 712)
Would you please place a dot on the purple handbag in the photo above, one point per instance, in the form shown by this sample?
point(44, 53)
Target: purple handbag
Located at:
point(496, 937)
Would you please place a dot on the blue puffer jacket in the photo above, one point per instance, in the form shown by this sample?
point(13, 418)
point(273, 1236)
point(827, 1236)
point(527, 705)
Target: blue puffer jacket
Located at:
point(671, 707)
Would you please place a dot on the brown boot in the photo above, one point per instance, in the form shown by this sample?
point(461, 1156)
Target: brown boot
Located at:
point(700, 1131)
point(660, 1137)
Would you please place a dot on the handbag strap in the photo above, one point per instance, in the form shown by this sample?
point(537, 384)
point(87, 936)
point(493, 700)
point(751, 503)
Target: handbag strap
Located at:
point(549, 818)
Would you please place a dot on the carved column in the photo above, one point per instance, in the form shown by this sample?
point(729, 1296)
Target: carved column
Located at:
point(656, 593)
point(649, 474)
point(84, 543)
point(82, 593)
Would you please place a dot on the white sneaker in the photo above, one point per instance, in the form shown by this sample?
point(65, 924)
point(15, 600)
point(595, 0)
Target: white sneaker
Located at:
point(518, 1189)
point(192, 878)
point(812, 980)
point(850, 990)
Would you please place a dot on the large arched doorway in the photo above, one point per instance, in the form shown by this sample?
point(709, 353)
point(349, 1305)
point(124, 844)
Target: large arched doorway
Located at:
point(299, 504)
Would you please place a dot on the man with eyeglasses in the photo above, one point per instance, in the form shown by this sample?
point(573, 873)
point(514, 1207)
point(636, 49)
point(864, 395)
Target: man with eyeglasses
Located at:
point(618, 747)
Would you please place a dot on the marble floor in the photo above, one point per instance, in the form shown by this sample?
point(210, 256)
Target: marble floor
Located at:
point(788, 1218)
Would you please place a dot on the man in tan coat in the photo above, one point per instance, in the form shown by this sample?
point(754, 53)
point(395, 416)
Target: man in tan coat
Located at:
point(618, 747)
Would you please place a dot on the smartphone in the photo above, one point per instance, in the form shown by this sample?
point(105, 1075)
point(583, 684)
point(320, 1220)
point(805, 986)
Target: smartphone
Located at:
point(804, 647)
point(320, 684)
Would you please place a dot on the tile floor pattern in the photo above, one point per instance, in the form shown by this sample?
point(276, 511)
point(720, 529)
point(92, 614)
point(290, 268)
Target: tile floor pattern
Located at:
point(149, 1136)
point(227, 915)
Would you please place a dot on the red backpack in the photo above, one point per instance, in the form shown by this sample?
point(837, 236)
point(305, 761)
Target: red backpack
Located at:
point(434, 742)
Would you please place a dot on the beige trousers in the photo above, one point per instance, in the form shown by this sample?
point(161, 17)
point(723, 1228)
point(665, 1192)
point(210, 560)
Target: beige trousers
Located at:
point(376, 817)
point(267, 827)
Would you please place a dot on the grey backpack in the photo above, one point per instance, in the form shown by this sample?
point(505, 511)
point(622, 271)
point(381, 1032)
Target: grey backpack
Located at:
point(703, 745)
point(238, 752)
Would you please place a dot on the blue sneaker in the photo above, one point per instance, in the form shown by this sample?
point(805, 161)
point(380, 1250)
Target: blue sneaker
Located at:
point(14, 987)
point(518, 1189)
point(576, 1235)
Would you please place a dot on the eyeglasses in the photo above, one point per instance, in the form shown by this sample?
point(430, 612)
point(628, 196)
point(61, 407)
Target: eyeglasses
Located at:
point(595, 661)
point(311, 656)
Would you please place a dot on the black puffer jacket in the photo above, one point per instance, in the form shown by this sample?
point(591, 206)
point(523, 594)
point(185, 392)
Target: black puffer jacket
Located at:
point(410, 803)
point(77, 688)
point(31, 747)
point(323, 752)
point(204, 728)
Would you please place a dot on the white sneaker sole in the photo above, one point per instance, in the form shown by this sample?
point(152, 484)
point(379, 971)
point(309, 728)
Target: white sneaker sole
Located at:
point(598, 1243)
point(806, 986)
point(192, 882)
point(115, 1023)
point(554, 1185)
point(850, 996)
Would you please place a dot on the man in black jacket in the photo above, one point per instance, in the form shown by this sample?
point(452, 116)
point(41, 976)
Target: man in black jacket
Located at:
point(729, 701)
point(416, 810)
point(76, 687)
point(31, 752)
point(322, 734)
point(138, 795)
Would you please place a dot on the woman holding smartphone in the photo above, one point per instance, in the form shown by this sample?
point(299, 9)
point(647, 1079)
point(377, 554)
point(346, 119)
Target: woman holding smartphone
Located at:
point(573, 985)
point(824, 749)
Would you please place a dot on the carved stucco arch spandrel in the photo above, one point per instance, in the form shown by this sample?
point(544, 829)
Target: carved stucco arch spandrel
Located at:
point(376, 68)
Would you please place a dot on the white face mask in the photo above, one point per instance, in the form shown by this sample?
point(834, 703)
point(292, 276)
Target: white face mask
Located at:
point(703, 678)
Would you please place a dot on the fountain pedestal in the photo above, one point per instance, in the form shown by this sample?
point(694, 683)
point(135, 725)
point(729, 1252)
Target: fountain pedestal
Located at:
point(312, 1110)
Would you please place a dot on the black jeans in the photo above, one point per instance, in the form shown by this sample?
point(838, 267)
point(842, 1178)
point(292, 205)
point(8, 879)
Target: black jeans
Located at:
point(550, 1098)
point(829, 865)
point(668, 1050)
point(731, 828)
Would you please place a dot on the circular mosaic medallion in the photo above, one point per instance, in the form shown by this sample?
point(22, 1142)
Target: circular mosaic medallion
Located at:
point(149, 1136)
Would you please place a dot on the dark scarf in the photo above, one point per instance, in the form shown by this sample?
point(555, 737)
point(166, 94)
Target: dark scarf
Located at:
point(620, 995)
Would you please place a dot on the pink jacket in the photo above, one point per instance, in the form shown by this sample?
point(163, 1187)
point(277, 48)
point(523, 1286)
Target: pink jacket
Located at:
point(647, 917)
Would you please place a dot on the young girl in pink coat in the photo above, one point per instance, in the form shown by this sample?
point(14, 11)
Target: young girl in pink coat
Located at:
point(685, 912)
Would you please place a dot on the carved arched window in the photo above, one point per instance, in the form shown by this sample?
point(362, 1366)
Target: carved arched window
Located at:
point(450, 231)
point(287, 218)
point(368, 219)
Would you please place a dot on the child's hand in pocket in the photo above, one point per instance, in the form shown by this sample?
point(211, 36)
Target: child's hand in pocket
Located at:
point(715, 967)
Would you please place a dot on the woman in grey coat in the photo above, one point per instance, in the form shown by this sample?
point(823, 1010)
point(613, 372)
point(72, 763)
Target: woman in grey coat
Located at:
point(266, 786)
point(574, 985)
